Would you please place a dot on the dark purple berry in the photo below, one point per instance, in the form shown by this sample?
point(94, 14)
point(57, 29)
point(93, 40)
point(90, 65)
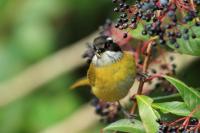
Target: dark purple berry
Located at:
point(125, 35)
point(125, 25)
point(174, 65)
point(194, 121)
point(144, 32)
point(185, 30)
point(161, 41)
point(123, 15)
point(114, 1)
point(177, 45)
point(126, 6)
point(194, 36)
point(116, 9)
point(117, 25)
point(178, 35)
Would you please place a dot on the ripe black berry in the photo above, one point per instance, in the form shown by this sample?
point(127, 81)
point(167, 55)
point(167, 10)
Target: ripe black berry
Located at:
point(197, 23)
point(123, 15)
point(185, 30)
point(114, 1)
point(193, 35)
point(161, 41)
point(178, 35)
point(117, 25)
point(144, 32)
point(177, 45)
point(194, 121)
point(125, 35)
point(116, 9)
point(126, 6)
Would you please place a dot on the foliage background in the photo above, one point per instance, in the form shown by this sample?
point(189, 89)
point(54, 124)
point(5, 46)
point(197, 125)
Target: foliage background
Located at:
point(32, 30)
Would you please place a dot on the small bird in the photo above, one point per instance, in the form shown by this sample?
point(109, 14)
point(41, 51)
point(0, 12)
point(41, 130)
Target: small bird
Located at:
point(112, 71)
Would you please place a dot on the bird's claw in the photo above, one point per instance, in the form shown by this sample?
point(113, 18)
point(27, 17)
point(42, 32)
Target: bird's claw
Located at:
point(142, 76)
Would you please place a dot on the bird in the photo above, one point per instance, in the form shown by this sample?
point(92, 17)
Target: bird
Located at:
point(111, 72)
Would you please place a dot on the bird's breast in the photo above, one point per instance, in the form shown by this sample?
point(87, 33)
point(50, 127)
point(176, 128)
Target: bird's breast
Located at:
point(112, 82)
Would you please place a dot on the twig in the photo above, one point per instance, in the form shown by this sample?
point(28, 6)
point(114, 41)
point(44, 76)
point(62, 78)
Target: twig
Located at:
point(144, 70)
point(147, 57)
point(185, 123)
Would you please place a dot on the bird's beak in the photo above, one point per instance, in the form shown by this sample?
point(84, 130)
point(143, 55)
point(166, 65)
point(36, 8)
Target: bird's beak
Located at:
point(98, 55)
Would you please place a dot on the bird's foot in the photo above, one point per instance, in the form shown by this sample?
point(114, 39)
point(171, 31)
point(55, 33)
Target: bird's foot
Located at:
point(142, 76)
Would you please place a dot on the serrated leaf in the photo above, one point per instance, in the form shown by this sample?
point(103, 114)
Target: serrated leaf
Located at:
point(126, 125)
point(190, 96)
point(178, 108)
point(147, 114)
point(137, 33)
point(191, 46)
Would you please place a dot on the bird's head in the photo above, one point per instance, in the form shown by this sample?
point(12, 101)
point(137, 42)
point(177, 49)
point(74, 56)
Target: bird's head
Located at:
point(105, 51)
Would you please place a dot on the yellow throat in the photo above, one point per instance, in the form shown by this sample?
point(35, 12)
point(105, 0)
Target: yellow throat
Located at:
point(112, 76)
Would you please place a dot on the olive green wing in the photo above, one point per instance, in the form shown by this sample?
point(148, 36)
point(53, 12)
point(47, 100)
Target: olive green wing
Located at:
point(91, 75)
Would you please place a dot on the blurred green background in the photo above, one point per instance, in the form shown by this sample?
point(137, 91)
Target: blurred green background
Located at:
point(31, 30)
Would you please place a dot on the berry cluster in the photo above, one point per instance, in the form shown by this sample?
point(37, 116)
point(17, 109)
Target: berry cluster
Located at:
point(109, 112)
point(191, 127)
point(123, 21)
point(163, 19)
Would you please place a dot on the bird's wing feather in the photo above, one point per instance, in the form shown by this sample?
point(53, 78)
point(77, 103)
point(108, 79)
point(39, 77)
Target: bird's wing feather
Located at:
point(91, 75)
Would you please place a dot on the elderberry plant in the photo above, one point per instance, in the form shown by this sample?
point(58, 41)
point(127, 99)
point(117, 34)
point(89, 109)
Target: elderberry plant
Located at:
point(150, 29)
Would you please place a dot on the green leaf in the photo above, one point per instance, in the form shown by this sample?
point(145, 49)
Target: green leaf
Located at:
point(137, 33)
point(190, 96)
point(147, 113)
point(156, 113)
point(125, 125)
point(167, 97)
point(178, 108)
point(191, 46)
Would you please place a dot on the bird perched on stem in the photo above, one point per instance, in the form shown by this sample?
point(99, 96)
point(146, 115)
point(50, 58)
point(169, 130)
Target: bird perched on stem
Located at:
point(111, 72)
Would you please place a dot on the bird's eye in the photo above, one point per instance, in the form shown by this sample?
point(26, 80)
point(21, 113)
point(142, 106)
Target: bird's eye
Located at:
point(107, 45)
point(109, 40)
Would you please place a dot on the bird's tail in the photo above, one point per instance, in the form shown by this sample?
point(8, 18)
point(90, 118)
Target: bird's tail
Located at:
point(81, 82)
